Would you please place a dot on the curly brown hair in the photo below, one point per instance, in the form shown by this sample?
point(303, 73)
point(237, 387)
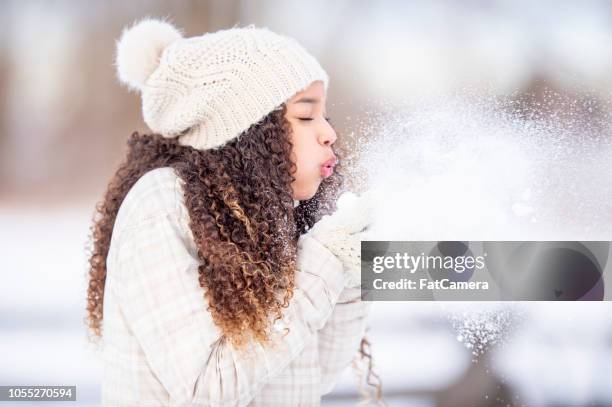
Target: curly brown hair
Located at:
point(244, 223)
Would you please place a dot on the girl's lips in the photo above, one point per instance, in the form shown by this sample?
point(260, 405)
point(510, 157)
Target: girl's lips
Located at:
point(327, 168)
point(326, 171)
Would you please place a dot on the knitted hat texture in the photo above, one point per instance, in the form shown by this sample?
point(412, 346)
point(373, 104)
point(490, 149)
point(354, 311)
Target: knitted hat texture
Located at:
point(210, 88)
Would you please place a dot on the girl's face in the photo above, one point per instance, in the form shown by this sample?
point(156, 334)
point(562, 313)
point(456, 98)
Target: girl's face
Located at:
point(312, 138)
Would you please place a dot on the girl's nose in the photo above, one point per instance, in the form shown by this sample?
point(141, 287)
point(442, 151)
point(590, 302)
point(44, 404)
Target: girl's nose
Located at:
point(328, 135)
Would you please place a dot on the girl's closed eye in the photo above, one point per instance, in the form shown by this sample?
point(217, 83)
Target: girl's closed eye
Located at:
point(328, 119)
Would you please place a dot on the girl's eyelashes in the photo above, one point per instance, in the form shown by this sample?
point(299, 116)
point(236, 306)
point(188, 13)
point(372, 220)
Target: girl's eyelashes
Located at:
point(310, 119)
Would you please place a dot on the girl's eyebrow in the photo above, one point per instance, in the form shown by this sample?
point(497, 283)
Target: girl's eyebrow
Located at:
point(307, 100)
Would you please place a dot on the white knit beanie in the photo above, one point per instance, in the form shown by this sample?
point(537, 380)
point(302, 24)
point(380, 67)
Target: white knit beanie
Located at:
point(211, 88)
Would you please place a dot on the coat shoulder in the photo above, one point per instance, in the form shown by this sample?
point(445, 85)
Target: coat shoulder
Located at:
point(158, 191)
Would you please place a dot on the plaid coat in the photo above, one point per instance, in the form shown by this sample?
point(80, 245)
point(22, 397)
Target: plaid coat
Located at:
point(160, 344)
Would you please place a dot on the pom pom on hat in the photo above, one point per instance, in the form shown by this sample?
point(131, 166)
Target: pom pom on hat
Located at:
point(139, 50)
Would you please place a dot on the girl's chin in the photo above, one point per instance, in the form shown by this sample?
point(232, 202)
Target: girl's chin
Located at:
point(307, 193)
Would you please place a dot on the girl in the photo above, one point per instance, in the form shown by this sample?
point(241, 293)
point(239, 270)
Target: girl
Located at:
point(226, 272)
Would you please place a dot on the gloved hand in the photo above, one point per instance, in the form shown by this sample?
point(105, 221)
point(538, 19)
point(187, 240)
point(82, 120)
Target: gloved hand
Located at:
point(342, 231)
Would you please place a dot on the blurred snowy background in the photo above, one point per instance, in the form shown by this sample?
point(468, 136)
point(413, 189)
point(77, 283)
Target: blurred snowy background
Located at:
point(64, 121)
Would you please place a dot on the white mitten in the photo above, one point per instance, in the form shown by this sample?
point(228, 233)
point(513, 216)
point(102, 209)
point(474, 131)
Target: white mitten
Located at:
point(342, 231)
